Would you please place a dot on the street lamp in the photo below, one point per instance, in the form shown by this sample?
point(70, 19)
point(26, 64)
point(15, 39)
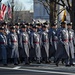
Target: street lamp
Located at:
point(12, 4)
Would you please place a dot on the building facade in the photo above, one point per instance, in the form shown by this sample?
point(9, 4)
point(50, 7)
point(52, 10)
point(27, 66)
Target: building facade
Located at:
point(21, 16)
point(25, 16)
point(40, 12)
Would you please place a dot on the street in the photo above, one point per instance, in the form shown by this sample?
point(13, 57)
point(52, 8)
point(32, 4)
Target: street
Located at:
point(37, 69)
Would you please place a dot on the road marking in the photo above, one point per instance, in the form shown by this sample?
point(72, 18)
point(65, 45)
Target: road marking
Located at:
point(39, 71)
point(17, 67)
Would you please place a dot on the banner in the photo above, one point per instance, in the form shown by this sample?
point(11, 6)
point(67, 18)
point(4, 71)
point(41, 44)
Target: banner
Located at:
point(64, 16)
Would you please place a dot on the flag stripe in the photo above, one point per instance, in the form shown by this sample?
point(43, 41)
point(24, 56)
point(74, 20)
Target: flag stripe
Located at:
point(4, 7)
point(2, 11)
point(9, 11)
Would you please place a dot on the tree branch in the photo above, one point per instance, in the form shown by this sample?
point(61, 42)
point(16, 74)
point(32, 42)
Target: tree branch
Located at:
point(60, 12)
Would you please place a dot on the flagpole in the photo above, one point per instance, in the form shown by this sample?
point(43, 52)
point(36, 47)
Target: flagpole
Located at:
point(0, 8)
point(12, 12)
point(0, 1)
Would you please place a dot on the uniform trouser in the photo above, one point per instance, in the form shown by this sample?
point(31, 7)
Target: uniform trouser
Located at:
point(26, 52)
point(4, 55)
point(26, 59)
point(15, 54)
point(70, 59)
point(38, 52)
point(45, 53)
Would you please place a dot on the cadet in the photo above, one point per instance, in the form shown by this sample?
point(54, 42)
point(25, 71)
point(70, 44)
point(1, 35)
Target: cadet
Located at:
point(35, 43)
point(28, 28)
point(6, 28)
point(13, 44)
point(71, 43)
point(53, 40)
point(24, 43)
point(17, 28)
point(47, 26)
point(63, 45)
point(3, 45)
point(39, 26)
point(45, 44)
point(32, 51)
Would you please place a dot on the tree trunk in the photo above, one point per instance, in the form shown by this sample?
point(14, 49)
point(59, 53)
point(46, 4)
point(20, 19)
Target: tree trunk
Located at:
point(51, 12)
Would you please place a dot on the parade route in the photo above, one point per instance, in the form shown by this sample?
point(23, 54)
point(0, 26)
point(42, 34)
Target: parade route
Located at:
point(37, 69)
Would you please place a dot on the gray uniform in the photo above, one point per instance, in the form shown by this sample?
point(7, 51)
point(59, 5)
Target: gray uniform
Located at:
point(24, 44)
point(35, 43)
point(13, 45)
point(3, 44)
point(53, 39)
point(63, 46)
point(45, 45)
point(71, 44)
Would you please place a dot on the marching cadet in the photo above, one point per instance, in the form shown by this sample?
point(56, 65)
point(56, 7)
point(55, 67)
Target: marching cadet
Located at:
point(53, 40)
point(71, 43)
point(47, 26)
point(45, 44)
point(35, 43)
point(6, 28)
point(3, 45)
point(28, 28)
point(31, 51)
point(30, 31)
point(39, 26)
point(17, 28)
point(24, 43)
point(13, 44)
point(63, 45)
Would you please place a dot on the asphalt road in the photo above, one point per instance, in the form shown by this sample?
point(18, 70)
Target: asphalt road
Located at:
point(37, 69)
point(15, 72)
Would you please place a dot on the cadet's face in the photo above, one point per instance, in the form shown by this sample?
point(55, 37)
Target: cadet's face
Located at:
point(28, 26)
point(44, 28)
point(2, 31)
point(54, 27)
point(64, 26)
point(70, 27)
point(17, 26)
point(23, 29)
point(39, 26)
point(13, 30)
point(34, 29)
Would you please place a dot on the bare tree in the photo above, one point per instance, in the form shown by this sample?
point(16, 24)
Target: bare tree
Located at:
point(50, 6)
point(67, 4)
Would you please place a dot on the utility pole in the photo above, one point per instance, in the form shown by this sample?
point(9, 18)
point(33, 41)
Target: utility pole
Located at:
point(12, 3)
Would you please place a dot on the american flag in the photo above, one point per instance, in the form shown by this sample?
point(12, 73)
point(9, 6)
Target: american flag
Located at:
point(9, 11)
point(2, 11)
